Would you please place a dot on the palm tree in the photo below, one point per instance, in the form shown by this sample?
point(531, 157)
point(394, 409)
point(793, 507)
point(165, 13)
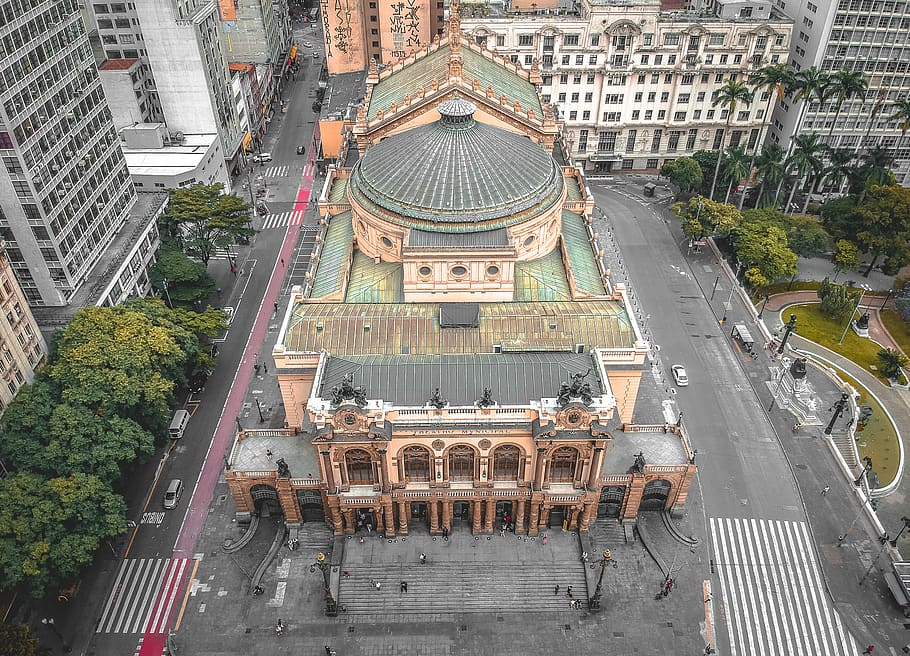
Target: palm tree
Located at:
point(736, 167)
point(806, 160)
point(808, 84)
point(845, 85)
point(875, 168)
point(728, 96)
point(901, 113)
point(876, 108)
point(775, 80)
point(770, 165)
point(838, 168)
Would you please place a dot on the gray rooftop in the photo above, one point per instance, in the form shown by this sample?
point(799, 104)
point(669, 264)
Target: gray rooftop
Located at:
point(498, 238)
point(343, 95)
point(657, 448)
point(251, 454)
point(514, 378)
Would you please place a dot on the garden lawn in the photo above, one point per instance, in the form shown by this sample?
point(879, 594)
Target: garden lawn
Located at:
point(899, 329)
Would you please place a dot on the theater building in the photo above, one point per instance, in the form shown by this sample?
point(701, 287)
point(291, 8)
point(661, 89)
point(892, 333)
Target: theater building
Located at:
point(459, 353)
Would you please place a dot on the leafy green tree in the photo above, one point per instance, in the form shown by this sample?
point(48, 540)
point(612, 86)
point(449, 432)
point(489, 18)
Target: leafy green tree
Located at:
point(806, 85)
point(845, 257)
point(728, 96)
point(201, 219)
point(839, 166)
point(837, 301)
point(764, 249)
point(703, 217)
point(180, 279)
point(51, 528)
point(17, 640)
point(684, 173)
point(837, 217)
point(901, 112)
point(884, 228)
point(771, 169)
point(806, 236)
point(891, 363)
point(707, 160)
point(116, 361)
point(25, 423)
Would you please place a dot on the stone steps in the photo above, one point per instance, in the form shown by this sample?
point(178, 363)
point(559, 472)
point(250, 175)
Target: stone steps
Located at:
point(314, 537)
point(459, 587)
point(846, 446)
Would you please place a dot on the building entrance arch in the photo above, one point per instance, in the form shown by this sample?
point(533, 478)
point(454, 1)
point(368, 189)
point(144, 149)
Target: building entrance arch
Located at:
point(558, 516)
point(610, 502)
point(265, 499)
point(311, 506)
point(461, 512)
point(655, 495)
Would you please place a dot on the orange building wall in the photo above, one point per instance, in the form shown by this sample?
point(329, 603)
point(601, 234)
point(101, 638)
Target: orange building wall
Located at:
point(404, 26)
point(330, 133)
point(345, 36)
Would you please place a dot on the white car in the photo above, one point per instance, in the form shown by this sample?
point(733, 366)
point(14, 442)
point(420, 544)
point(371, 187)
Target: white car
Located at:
point(262, 157)
point(307, 44)
point(229, 311)
point(680, 375)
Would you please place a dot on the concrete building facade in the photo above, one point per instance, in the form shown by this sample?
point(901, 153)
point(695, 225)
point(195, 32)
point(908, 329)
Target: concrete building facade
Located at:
point(157, 162)
point(65, 192)
point(872, 36)
point(634, 82)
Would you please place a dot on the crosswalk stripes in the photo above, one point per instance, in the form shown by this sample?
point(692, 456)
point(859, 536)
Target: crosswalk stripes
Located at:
point(275, 172)
point(772, 590)
point(143, 595)
point(283, 219)
point(223, 254)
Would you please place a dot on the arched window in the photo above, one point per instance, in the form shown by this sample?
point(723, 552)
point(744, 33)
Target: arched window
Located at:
point(359, 466)
point(563, 465)
point(505, 463)
point(416, 464)
point(461, 463)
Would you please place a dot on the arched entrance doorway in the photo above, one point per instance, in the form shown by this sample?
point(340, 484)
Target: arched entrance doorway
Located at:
point(461, 514)
point(311, 507)
point(610, 502)
point(265, 500)
point(418, 514)
point(558, 516)
point(655, 495)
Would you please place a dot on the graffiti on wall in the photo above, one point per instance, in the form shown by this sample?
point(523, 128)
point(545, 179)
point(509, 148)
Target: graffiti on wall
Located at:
point(404, 25)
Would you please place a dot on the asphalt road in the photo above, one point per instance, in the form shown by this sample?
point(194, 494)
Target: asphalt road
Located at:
point(770, 596)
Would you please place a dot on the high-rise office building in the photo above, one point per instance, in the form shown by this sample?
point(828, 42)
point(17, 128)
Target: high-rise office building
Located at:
point(65, 193)
point(872, 36)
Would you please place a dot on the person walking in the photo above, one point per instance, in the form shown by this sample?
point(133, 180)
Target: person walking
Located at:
point(869, 649)
point(569, 591)
point(445, 532)
point(268, 454)
point(556, 589)
point(404, 586)
point(825, 490)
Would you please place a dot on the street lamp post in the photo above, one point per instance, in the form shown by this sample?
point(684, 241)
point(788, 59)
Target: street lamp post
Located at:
point(787, 330)
point(838, 411)
point(331, 607)
point(887, 298)
point(167, 293)
point(906, 524)
point(763, 304)
point(867, 467)
point(49, 622)
point(259, 408)
point(732, 289)
point(780, 381)
point(606, 557)
point(863, 289)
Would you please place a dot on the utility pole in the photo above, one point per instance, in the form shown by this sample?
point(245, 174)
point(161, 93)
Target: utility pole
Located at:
point(787, 330)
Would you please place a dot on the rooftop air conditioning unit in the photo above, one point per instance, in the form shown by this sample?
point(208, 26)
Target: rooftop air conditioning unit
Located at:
point(579, 348)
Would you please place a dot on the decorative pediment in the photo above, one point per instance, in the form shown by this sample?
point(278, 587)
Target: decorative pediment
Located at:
point(694, 30)
point(350, 419)
point(763, 30)
point(623, 27)
point(574, 416)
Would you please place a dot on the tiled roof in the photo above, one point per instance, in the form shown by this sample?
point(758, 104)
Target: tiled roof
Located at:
point(435, 65)
point(513, 378)
point(337, 192)
point(498, 238)
point(573, 191)
point(335, 257)
point(374, 283)
point(402, 328)
point(543, 279)
point(580, 255)
point(117, 64)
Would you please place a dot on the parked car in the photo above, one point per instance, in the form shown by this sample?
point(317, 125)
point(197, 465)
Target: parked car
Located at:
point(307, 44)
point(680, 375)
point(317, 106)
point(301, 150)
point(173, 493)
point(196, 383)
point(262, 157)
point(229, 311)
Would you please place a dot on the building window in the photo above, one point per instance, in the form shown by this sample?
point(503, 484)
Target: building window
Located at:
point(505, 463)
point(595, 39)
point(630, 141)
point(576, 79)
point(586, 115)
point(359, 467)
point(575, 97)
point(562, 97)
point(547, 80)
point(416, 464)
point(679, 116)
point(716, 39)
point(658, 60)
point(500, 41)
point(592, 60)
point(718, 139)
point(461, 463)
point(655, 141)
point(688, 79)
point(673, 140)
point(635, 114)
point(573, 115)
point(582, 140)
point(606, 141)
point(526, 39)
point(579, 60)
point(645, 58)
point(651, 164)
point(570, 40)
point(563, 464)
point(529, 59)
point(671, 39)
point(564, 78)
point(589, 97)
point(627, 164)
point(690, 139)
point(649, 114)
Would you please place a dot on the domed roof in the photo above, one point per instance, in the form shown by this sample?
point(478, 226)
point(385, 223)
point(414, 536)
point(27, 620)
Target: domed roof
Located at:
point(456, 171)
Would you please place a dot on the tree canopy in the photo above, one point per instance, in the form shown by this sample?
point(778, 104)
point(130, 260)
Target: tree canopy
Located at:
point(180, 279)
point(202, 218)
point(684, 173)
point(703, 217)
point(764, 249)
point(884, 227)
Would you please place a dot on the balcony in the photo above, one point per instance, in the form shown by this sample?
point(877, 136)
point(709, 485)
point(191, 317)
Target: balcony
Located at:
point(604, 156)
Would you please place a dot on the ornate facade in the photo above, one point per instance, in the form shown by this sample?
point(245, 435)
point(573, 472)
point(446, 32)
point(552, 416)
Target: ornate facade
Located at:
point(459, 351)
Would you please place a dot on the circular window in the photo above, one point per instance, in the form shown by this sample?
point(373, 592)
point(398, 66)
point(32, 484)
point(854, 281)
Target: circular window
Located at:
point(529, 240)
point(424, 272)
point(459, 271)
point(386, 242)
point(349, 419)
point(492, 270)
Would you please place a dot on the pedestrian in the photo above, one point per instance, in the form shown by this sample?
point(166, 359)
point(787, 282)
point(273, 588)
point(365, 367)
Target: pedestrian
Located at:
point(508, 519)
point(869, 649)
point(282, 261)
point(423, 559)
point(569, 591)
point(544, 539)
point(502, 530)
point(584, 556)
point(556, 590)
point(404, 586)
point(265, 368)
point(445, 532)
point(328, 651)
point(276, 307)
point(361, 539)
point(378, 585)
point(268, 454)
point(666, 427)
point(825, 490)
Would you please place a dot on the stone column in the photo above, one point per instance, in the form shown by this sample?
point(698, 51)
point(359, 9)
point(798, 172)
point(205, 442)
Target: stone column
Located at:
point(243, 502)
point(520, 516)
point(389, 517)
point(384, 470)
point(349, 521)
point(596, 466)
point(491, 516)
point(433, 509)
point(538, 469)
point(588, 515)
point(532, 522)
point(380, 526)
point(403, 517)
point(288, 500)
point(544, 518)
point(476, 511)
point(447, 514)
point(335, 516)
point(329, 474)
point(633, 497)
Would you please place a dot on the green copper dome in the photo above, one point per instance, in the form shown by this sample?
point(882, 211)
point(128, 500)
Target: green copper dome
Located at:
point(456, 173)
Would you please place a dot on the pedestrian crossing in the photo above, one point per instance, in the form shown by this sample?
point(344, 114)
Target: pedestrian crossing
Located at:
point(224, 254)
point(144, 595)
point(282, 219)
point(275, 172)
point(773, 595)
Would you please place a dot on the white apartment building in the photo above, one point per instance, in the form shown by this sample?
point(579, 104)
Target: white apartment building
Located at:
point(872, 36)
point(634, 82)
point(130, 92)
point(158, 162)
point(65, 193)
